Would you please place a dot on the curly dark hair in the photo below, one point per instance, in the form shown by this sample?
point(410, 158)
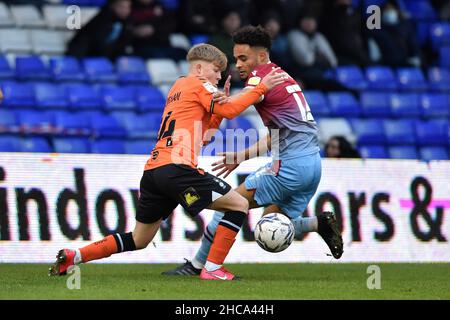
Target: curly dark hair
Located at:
point(253, 36)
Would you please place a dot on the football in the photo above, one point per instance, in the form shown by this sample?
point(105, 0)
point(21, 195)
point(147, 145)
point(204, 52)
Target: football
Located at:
point(274, 232)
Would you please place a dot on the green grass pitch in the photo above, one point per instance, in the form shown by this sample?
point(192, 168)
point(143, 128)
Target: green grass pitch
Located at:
point(261, 281)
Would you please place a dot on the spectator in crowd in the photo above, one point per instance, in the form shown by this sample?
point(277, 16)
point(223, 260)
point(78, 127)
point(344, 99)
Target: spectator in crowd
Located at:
point(151, 31)
point(340, 147)
point(107, 34)
point(396, 39)
point(343, 27)
point(197, 17)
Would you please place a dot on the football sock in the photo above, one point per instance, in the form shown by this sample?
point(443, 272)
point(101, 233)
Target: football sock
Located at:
point(107, 246)
point(225, 236)
point(207, 239)
point(303, 225)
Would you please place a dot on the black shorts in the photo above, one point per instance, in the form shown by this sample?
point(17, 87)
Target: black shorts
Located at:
point(163, 188)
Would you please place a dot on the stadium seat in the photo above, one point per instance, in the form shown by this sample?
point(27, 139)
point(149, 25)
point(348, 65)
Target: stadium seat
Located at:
point(36, 122)
point(403, 152)
point(31, 68)
point(104, 125)
point(198, 38)
point(15, 41)
point(112, 146)
point(351, 77)
point(10, 143)
point(318, 103)
point(439, 78)
point(444, 57)
point(400, 132)
point(71, 145)
point(6, 19)
point(162, 71)
point(239, 123)
point(99, 70)
point(132, 70)
point(440, 34)
point(18, 95)
point(432, 132)
point(179, 40)
point(381, 78)
point(375, 104)
point(433, 153)
point(405, 105)
point(410, 79)
point(435, 105)
point(142, 146)
point(77, 2)
point(117, 98)
point(5, 70)
point(8, 121)
point(139, 126)
point(329, 127)
point(149, 99)
point(373, 151)
point(183, 67)
point(55, 16)
point(48, 42)
point(35, 144)
point(66, 69)
point(420, 10)
point(343, 104)
point(27, 16)
point(72, 123)
point(49, 95)
point(369, 131)
point(83, 96)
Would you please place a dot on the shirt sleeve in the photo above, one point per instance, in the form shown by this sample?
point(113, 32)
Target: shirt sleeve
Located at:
point(205, 95)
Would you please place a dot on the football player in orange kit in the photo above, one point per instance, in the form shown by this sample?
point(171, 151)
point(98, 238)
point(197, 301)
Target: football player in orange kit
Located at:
point(171, 176)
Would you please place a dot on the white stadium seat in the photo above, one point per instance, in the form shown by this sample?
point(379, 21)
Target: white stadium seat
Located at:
point(329, 127)
point(162, 71)
point(27, 16)
point(87, 13)
point(6, 19)
point(179, 40)
point(183, 67)
point(48, 41)
point(15, 40)
point(55, 16)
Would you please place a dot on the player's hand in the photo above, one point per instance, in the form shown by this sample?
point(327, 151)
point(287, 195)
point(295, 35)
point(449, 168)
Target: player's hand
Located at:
point(227, 86)
point(274, 78)
point(229, 162)
point(222, 96)
point(1, 95)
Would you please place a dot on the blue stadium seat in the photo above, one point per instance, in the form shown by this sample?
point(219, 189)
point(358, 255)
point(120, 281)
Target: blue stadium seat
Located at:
point(318, 103)
point(99, 70)
point(351, 77)
point(435, 105)
point(35, 144)
point(83, 96)
point(444, 57)
point(170, 4)
point(239, 123)
point(375, 104)
point(18, 95)
point(405, 105)
point(139, 126)
point(142, 146)
point(10, 143)
point(403, 152)
point(439, 78)
point(198, 38)
point(433, 153)
point(440, 34)
point(78, 2)
point(72, 123)
point(432, 132)
point(49, 95)
point(410, 79)
point(98, 3)
point(381, 78)
point(71, 145)
point(36, 122)
point(5, 70)
point(368, 131)
point(373, 151)
point(149, 99)
point(112, 146)
point(420, 10)
point(8, 121)
point(104, 125)
point(132, 70)
point(31, 68)
point(66, 69)
point(343, 104)
point(400, 132)
point(117, 98)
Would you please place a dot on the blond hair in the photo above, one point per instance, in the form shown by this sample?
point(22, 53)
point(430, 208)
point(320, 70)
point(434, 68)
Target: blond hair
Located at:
point(208, 53)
